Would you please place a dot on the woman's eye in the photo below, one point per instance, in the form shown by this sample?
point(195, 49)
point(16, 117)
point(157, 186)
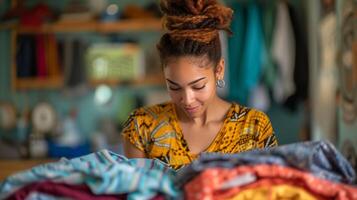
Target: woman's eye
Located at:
point(199, 88)
point(174, 89)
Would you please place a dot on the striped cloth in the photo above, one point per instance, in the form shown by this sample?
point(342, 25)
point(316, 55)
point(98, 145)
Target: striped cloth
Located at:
point(104, 172)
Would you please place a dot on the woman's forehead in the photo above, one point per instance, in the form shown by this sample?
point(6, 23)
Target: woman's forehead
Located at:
point(198, 61)
point(186, 70)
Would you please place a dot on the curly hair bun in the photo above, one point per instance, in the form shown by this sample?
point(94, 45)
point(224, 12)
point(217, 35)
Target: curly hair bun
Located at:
point(198, 20)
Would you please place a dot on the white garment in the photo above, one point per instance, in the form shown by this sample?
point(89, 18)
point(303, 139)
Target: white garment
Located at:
point(259, 98)
point(283, 48)
point(326, 88)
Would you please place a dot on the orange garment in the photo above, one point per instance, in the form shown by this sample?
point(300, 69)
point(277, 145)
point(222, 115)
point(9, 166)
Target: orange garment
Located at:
point(277, 192)
point(156, 131)
point(207, 185)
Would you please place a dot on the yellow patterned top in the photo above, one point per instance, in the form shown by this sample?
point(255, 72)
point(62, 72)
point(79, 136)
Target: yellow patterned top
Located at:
point(155, 130)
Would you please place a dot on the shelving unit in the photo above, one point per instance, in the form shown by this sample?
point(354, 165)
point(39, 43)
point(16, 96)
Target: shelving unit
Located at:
point(39, 83)
point(127, 25)
point(151, 80)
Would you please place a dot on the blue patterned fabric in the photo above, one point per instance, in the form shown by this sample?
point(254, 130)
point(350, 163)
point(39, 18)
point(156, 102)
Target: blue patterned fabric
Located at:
point(105, 173)
point(318, 157)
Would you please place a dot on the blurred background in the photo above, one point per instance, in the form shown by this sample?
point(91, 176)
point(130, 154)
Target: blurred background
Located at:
point(71, 71)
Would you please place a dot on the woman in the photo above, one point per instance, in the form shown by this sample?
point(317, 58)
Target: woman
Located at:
point(196, 120)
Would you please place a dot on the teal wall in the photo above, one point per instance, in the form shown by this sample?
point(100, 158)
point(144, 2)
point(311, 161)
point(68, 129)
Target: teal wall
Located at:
point(4, 55)
point(4, 64)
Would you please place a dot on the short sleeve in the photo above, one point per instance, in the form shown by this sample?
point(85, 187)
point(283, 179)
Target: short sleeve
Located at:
point(134, 129)
point(266, 132)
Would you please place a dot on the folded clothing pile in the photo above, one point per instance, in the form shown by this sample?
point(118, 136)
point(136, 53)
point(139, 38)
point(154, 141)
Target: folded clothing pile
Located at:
point(305, 170)
point(299, 171)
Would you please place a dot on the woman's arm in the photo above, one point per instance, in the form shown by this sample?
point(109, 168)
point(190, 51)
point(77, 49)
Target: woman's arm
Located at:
point(131, 151)
point(131, 134)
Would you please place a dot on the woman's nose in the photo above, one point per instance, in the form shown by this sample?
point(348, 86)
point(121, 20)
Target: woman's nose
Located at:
point(187, 97)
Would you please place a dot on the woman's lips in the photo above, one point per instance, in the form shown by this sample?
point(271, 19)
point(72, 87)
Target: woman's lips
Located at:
point(191, 109)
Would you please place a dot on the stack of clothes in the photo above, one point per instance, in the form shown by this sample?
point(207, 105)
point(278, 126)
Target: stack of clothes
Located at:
point(103, 175)
point(299, 171)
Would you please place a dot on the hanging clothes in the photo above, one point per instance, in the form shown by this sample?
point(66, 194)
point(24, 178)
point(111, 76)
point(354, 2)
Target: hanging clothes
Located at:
point(259, 97)
point(26, 56)
point(235, 49)
point(284, 54)
point(245, 51)
point(41, 56)
point(269, 68)
point(326, 89)
point(301, 64)
point(250, 70)
point(76, 65)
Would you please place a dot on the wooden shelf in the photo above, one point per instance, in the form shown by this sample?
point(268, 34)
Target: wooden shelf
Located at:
point(58, 82)
point(39, 83)
point(90, 26)
point(147, 81)
point(131, 25)
point(7, 26)
point(127, 25)
point(9, 167)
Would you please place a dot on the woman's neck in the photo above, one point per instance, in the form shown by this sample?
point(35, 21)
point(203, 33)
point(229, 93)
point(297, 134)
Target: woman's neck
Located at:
point(213, 113)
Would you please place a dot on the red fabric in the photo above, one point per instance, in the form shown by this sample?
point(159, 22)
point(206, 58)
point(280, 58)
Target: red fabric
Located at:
point(41, 56)
point(78, 192)
point(158, 197)
point(36, 16)
point(206, 185)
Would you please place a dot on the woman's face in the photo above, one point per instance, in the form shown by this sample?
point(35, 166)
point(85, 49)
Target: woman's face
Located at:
point(191, 82)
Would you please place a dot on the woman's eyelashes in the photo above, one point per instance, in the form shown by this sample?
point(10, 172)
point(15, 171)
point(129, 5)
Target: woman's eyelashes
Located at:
point(193, 87)
point(174, 88)
point(199, 87)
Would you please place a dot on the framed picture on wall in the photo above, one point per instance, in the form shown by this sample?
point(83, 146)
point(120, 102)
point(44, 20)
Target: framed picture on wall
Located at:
point(347, 65)
point(347, 61)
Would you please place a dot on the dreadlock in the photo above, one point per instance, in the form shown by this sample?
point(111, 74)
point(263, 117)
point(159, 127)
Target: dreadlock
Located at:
point(193, 28)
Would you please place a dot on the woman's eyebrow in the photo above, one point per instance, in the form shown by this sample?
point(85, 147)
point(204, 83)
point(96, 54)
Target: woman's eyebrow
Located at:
point(190, 83)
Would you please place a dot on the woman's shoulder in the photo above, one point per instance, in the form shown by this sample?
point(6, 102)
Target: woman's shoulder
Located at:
point(153, 111)
point(149, 116)
point(252, 122)
point(244, 113)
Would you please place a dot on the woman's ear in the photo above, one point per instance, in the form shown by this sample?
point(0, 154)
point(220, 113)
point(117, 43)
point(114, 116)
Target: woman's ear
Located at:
point(220, 69)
